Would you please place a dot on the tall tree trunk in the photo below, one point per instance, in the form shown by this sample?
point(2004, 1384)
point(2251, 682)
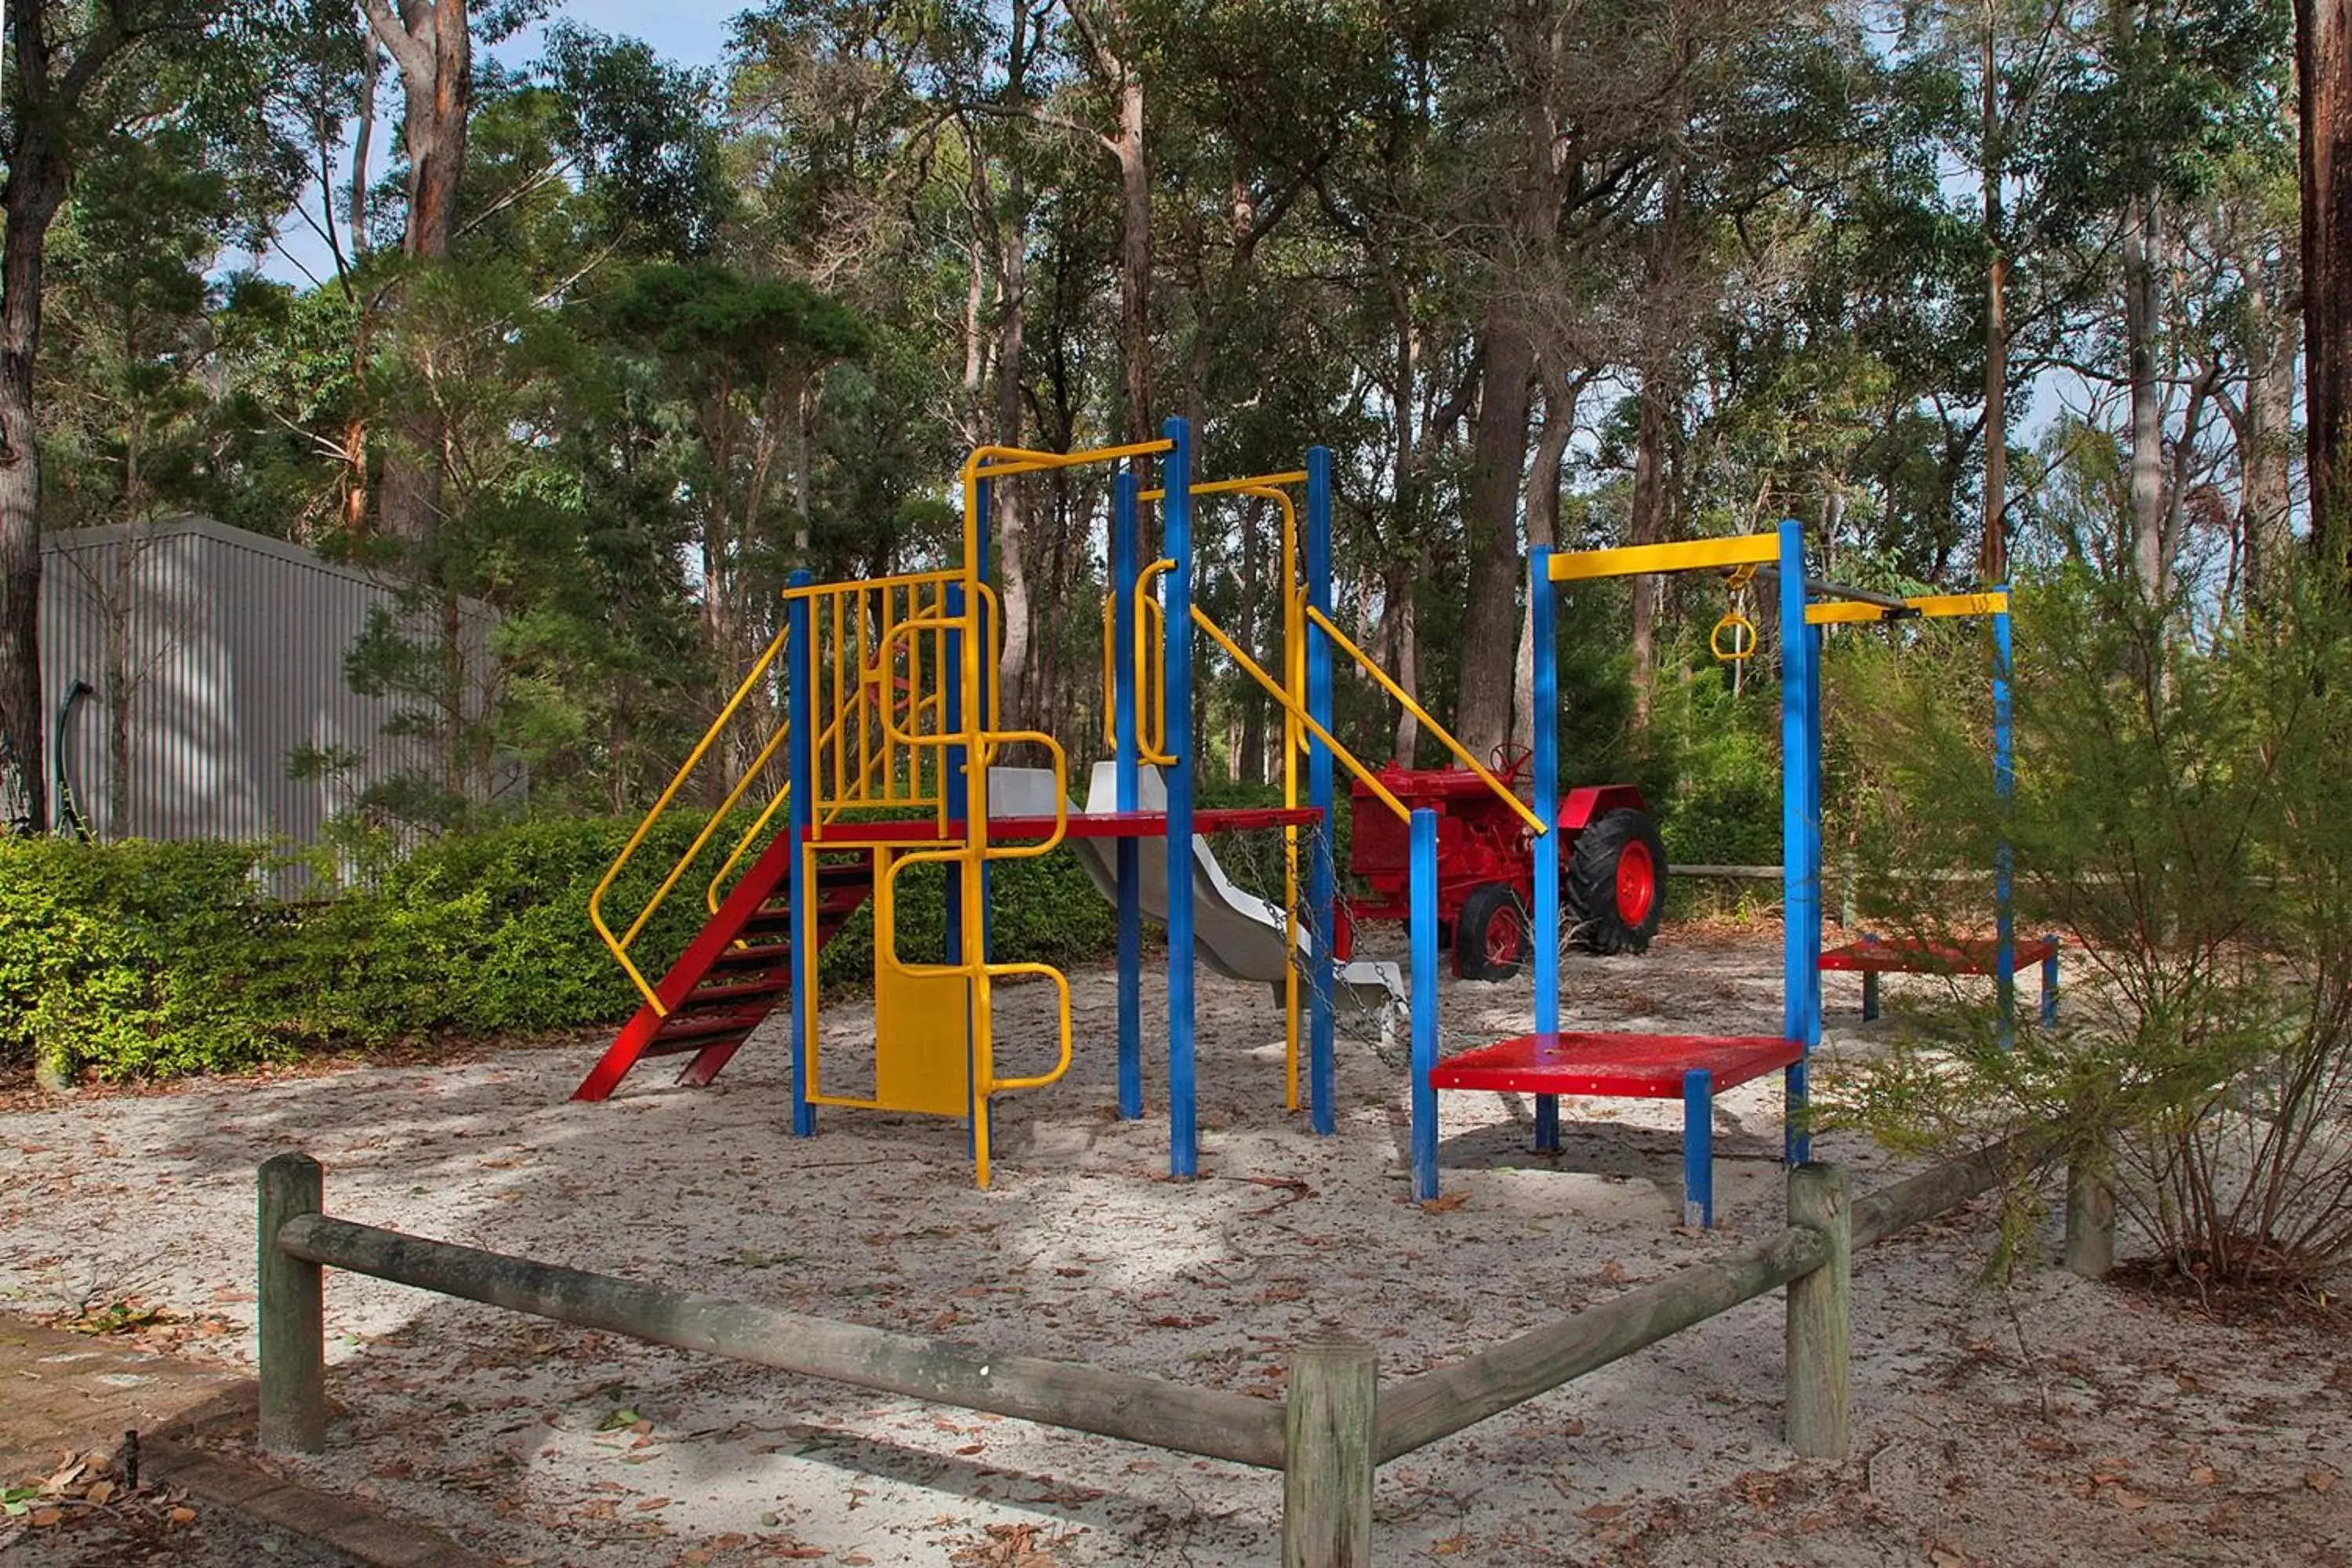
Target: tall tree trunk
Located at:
point(429, 41)
point(34, 189)
point(1006, 517)
point(2322, 57)
point(1992, 550)
point(2264, 433)
point(1404, 638)
point(1661, 422)
point(1491, 534)
point(1543, 529)
point(2141, 302)
point(1134, 256)
point(1398, 606)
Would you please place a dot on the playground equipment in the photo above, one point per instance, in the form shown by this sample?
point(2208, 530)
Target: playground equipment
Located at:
point(890, 741)
point(1552, 1062)
point(2004, 955)
point(1614, 862)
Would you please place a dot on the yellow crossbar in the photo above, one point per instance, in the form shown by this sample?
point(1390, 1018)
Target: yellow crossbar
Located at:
point(1850, 612)
point(996, 462)
point(1684, 555)
point(1227, 487)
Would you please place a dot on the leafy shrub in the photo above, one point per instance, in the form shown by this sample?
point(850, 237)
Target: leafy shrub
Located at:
point(135, 959)
point(2182, 820)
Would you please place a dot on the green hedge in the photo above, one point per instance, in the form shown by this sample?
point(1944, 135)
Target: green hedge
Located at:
point(146, 960)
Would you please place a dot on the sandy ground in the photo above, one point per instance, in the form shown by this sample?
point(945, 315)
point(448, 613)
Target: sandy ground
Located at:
point(2056, 1421)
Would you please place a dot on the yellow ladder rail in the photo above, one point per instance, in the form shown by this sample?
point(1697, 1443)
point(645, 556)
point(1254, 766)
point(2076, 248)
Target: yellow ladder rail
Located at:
point(619, 944)
point(1297, 710)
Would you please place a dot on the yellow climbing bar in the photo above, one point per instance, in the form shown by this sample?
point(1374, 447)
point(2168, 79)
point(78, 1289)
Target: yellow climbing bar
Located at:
point(1683, 555)
point(619, 944)
point(1445, 736)
point(1296, 709)
point(1850, 612)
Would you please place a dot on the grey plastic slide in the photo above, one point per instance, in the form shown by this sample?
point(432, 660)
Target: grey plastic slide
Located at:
point(1239, 933)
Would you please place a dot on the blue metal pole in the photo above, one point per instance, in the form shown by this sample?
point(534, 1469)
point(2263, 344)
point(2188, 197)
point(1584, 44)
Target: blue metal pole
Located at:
point(1183, 1124)
point(1800, 843)
point(2004, 862)
point(1123, 567)
point(799, 814)
point(1423, 870)
point(1322, 879)
point(1545, 741)
point(1698, 1148)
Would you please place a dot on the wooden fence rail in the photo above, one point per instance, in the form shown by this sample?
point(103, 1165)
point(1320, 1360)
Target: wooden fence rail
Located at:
point(1336, 1426)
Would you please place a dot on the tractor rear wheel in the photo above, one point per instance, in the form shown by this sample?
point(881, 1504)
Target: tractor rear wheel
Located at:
point(1616, 883)
point(1490, 934)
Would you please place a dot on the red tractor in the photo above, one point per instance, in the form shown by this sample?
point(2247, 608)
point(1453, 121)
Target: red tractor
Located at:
point(1613, 865)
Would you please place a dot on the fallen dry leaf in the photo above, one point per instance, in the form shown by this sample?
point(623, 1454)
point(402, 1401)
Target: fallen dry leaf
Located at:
point(1601, 1512)
point(2320, 1480)
point(1445, 1203)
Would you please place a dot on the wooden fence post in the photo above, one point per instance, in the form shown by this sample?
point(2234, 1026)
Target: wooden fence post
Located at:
point(1820, 1320)
point(1328, 1454)
point(2090, 1219)
point(291, 1313)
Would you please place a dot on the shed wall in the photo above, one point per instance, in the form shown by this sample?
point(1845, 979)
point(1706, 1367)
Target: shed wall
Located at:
point(213, 657)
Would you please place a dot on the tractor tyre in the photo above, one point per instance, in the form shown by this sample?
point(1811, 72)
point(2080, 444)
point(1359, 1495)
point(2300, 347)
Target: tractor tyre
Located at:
point(1616, 890)
point(1490, 934)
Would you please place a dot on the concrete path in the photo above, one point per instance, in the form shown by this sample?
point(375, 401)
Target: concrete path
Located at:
point(67, 1404)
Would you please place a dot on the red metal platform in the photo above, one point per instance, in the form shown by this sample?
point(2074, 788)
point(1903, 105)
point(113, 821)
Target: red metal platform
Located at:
point(1643, 1066)
point(1077, 825)
point(1905, 955)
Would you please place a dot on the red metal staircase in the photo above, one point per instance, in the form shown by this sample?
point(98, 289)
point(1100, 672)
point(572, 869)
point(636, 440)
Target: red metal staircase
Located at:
point(734, 972)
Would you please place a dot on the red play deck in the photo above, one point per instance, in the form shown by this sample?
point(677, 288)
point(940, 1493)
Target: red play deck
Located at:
point(1077, 825)
point(1646, 1067)
point(1902, 955)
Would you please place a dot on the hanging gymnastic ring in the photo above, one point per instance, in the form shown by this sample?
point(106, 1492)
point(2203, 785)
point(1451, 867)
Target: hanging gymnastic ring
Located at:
point(1743, 637)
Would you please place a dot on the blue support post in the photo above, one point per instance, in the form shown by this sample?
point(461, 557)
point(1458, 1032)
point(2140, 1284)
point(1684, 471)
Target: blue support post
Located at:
point(1183, 1123)
point(799, 768)
point(1322, 879)
point(1698, 1148)
point(2005, 864)
point(2049, 985)
point(1800, 833)
point(1422, 836)
point(1124, 748)
point(1545, 760)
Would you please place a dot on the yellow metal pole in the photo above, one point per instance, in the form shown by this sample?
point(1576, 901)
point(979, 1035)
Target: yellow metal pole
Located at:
point(1686, 555)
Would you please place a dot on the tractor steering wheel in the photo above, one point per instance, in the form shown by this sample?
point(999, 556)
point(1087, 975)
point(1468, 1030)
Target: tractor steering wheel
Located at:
point(1510, 759)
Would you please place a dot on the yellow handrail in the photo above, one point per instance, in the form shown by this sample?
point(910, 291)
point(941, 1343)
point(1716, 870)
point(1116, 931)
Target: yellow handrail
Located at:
point(619, 945)
point(1445, 737)
point(1296, 709)
point(1151, 715)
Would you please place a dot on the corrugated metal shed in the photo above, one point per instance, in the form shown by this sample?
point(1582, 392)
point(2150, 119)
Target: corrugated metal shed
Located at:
point(184, 665)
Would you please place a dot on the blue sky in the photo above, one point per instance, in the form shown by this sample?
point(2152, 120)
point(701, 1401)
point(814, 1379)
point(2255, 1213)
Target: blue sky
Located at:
point(691, 32)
